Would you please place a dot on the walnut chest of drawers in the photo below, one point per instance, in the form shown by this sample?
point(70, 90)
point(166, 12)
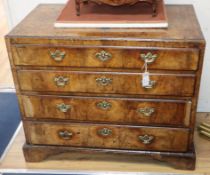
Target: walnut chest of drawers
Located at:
point(80, 89)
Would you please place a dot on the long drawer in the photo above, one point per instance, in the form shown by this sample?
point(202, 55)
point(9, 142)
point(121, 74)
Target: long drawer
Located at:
point(159, 58)
point(107, 136)
point(105, 82)
point(112, 110)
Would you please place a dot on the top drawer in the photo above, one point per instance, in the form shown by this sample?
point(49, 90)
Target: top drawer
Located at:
point(98, 57)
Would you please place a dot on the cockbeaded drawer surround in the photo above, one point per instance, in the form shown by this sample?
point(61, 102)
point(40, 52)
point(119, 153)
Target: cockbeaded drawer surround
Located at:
point(134, 111)
point(80, 90)
point(105, 82)
point(106, 57)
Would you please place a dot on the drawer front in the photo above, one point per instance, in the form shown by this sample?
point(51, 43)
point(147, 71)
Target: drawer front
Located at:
point(105, 82)
point(168, 59)
point(107, 136)
point(115, 110)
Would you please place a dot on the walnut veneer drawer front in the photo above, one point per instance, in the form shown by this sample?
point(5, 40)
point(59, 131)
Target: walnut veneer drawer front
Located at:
point(118, 110)
point(105, 82)
point(108, 136)
point(161, 58)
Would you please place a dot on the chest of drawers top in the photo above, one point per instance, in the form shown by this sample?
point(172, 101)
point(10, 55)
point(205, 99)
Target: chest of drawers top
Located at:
point(37, 27)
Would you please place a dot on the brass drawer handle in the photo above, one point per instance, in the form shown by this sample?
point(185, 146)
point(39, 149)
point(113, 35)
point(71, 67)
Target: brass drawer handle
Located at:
point(103, 56)
point(146, 139)
point(66, 135)
point(147, 112)
point(58, 55)
point(151, 85)
point(61, 81)
point(104, 105)
point(105, 132)
point(63, 107)
point(103, 81)
point(148, 57)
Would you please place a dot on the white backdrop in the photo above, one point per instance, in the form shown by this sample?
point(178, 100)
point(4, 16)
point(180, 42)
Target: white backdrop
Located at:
point(17, 9)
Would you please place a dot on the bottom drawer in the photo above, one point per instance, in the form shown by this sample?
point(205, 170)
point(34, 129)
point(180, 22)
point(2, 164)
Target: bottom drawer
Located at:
point(107, 136)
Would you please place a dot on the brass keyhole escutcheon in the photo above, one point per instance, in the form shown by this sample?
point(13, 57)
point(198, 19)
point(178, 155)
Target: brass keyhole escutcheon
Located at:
point(103, 81)
point(147, 111)
point(63, 107)
point(66, 135)
point(105, 132)
point(104, 105)
point(146, 139)
point(148, 57)
point(61, 81)
point(103, 56)
point(58, 55)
